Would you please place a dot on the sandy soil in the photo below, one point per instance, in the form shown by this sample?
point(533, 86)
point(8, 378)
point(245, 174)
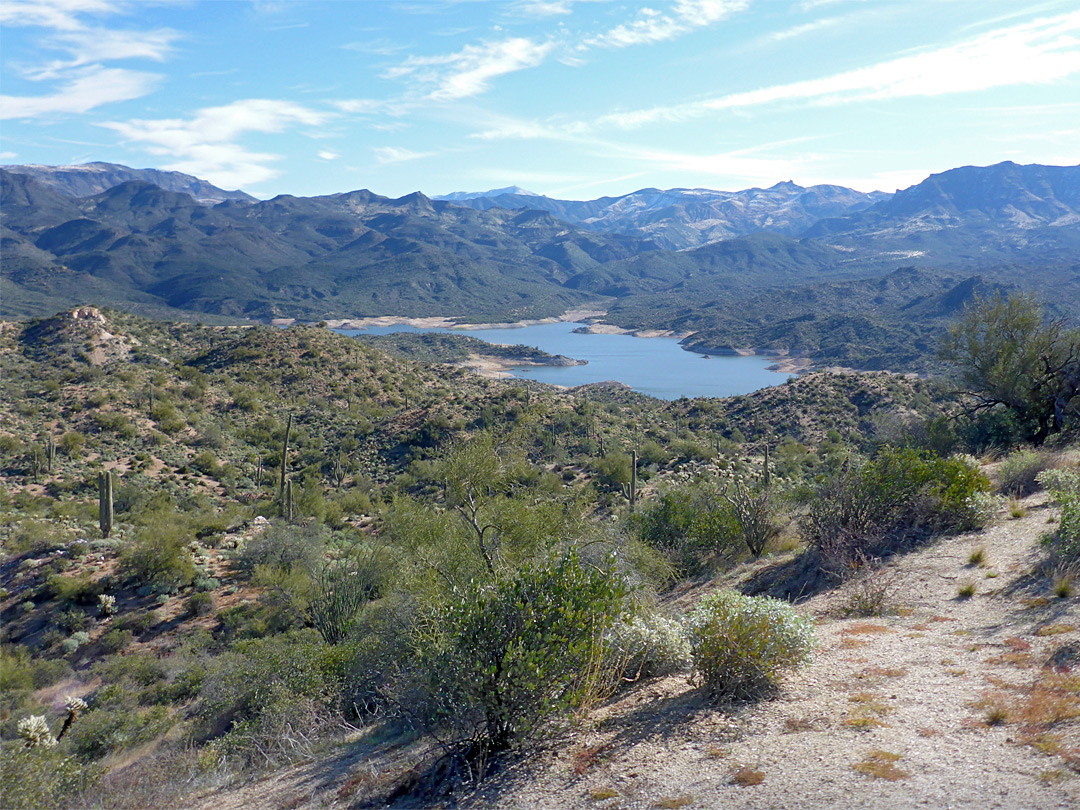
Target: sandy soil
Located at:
point(449, 323)
point(905, 697)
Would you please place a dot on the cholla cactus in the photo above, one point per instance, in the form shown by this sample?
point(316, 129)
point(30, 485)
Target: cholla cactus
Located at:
point(73, 705)
point(35, 730)
point(106, 604)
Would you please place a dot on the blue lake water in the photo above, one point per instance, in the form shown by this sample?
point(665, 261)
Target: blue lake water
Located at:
point(655, 366)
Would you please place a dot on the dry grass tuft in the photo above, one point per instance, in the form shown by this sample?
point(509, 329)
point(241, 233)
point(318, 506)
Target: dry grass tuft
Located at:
point(864, 629)
point(793, 725)
point(675, 802)
point(868, 712)
point(586, 758)
point(882, 765)
point(746, 776)
point(966, 590)
point(977, 558)
point(881, 672)
point(1054, 629)
point(602, 794)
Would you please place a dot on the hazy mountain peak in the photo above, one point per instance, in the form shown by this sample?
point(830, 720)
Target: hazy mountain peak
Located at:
point(88, 179)
point(495, 192)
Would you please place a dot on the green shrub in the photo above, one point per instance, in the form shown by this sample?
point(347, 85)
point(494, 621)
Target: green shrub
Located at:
point(159, 557)
point(283, 546)
point(511, 655)
point(200, 604)
point(687, 523)
point(115, 639)
point(33, 778)
point(103, 730)
point(1018, 473)
point(873, 508)
point(741, 645)
point(261, 685)
point(1064, 487)
point(19, 670)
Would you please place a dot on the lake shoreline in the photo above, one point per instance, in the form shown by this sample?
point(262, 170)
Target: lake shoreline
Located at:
point(592, 324)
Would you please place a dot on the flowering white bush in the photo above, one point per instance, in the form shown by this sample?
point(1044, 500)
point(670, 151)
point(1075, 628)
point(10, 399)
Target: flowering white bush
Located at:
point(742, 644)
point(35, 730)
point(649, 645)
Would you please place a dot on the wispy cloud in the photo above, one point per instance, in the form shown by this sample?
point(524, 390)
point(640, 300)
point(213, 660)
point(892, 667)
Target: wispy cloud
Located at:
point(470, 71)
point(60, 15)
point(1038, 52)
point(207, 143)
point(8, 155)
point(655, 26)
point(396, 154)
point(542, 8)
point(90, 45)
point(88, 88)
point(81, 82)
point(376, 47)
point(328, 155)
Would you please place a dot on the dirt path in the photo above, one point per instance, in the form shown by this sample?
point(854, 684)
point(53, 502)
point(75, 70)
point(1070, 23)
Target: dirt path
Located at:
point(910, 699)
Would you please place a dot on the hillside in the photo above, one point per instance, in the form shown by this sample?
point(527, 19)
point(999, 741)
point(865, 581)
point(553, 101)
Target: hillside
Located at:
point(200, 625)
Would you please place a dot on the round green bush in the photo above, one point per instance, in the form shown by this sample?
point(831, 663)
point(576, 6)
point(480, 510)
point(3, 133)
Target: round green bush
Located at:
point(742, 644)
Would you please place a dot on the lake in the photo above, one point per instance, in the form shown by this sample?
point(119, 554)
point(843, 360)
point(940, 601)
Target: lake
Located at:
point(655, 366)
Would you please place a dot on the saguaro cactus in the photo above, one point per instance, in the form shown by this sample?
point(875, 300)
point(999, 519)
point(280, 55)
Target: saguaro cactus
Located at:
point(630, 490)
point(287, 505)
point(105, 503)
point(50, 453)
point(765, 475)
point(284, 458)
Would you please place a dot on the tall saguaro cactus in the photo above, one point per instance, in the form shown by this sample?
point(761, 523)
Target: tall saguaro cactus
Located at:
point(105, 503)
point(284, 458)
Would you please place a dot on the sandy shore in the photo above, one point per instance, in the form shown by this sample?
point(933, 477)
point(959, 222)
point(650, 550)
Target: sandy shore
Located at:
point(449, 323)
point(495, 368)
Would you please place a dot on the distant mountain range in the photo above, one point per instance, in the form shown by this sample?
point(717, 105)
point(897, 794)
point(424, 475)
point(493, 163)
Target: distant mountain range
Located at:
point(798, 255)
point(93, 178)
point(681, 218)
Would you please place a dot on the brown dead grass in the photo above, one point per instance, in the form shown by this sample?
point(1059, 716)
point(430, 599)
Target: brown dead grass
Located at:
point(882, 765)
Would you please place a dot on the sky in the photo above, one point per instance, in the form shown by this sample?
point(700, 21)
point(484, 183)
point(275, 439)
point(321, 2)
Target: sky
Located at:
point(575, 99)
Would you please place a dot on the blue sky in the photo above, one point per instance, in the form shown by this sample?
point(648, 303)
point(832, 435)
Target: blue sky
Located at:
point(570, 98)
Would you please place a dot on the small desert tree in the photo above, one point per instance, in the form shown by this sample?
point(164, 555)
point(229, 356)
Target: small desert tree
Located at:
point(1008, 355)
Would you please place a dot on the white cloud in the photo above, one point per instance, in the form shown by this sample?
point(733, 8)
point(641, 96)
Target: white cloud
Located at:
point(1033, 53)
point(206, 143)
point(328, 155)
point(92, 45)
point(397, 154)
point(60, 15)
point(90, 88)
point(363, 106)
point(469, 71)
point(8, 155)
point(81, 83)
point(654, 26)
point(543, 8)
